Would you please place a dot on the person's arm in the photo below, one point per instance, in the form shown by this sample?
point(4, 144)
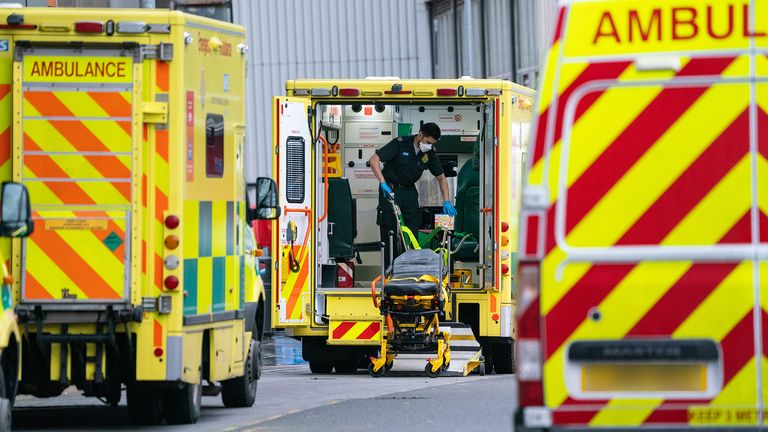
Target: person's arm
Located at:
point(444, 187)
point(375, 163)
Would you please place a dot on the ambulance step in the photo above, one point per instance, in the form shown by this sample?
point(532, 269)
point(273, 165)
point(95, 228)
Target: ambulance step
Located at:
point(466, 353)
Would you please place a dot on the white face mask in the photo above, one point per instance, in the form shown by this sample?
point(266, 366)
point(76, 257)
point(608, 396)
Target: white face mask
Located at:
point(424, 147)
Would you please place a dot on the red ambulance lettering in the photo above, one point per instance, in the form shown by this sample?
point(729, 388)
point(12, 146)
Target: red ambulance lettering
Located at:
point(711, 28)
point(676, 24)
point(607, 18)
point(684, 23)
point(645, 33)
point(69, 69)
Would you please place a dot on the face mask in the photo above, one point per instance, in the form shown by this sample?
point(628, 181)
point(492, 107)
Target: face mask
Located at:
point(424, 147)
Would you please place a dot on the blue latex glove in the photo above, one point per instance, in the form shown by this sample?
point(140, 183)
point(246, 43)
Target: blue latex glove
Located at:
point(388, 190)
point(449, 209)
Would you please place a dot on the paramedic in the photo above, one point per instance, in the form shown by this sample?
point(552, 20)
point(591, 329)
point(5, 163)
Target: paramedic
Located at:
point(405, 159)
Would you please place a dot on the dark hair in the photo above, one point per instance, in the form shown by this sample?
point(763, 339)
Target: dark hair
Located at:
point(431, 130)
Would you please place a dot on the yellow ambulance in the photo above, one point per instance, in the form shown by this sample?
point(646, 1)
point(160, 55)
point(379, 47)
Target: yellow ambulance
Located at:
point(326, 241)
point(127, 128)
point(643, 269)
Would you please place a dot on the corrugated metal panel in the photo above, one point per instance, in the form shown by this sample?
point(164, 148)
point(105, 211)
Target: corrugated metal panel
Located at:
point(444, 43)
point(535, 23)
point(498, 34)
point(292, 39)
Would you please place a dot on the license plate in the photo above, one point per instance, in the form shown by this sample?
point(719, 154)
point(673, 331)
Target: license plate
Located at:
point(644, 377)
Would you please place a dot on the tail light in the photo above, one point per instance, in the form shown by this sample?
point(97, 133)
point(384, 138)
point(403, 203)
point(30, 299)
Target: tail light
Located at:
point(349, 92)
point(529, 360)
point(171, 282)
point(89, 27)
point(172, 221)
point(171, 242)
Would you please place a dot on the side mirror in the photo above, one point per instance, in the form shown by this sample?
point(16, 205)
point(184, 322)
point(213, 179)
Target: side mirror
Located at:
point(16, 215)
point(261, 199)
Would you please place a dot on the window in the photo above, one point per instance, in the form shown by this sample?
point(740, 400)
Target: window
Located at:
point(294, 169)
point(214, 145)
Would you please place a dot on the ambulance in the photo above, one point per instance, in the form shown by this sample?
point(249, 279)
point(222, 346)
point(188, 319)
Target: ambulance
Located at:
point(127, 128)
point(326, 238)
point(643, 242)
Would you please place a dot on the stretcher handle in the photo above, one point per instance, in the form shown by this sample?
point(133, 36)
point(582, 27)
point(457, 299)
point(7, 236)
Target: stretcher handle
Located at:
point(373, 290)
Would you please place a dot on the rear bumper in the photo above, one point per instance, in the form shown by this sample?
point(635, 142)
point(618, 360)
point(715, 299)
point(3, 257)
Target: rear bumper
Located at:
point(525, 420)
point(90, 313)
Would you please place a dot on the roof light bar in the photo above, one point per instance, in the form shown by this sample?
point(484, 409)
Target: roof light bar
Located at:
point(447, 92)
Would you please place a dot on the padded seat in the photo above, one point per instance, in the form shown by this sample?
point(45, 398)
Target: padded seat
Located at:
point(409, 287)
point(468, 216)
point(342, 214)
point(409, 267)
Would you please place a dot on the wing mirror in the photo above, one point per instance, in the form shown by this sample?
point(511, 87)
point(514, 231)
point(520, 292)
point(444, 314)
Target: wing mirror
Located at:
point(261, 199)
point(16, 215)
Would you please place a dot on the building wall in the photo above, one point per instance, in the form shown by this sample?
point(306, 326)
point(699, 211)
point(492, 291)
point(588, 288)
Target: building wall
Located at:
point(292, 39)
point(534, 24)
point(509, 38)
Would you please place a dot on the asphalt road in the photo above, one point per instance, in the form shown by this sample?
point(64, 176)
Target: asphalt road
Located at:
point(291, 398)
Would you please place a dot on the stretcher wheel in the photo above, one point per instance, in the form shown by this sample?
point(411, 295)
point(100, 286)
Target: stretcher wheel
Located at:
point(377, 374)
point(389, 366)
point(428, 371)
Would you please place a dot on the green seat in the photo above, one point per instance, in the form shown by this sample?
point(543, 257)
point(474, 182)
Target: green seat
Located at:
point(468, 211)
point(341, 213)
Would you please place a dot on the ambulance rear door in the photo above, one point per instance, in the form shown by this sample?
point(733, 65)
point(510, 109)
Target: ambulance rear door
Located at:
point(75, 152)
point(295, 251)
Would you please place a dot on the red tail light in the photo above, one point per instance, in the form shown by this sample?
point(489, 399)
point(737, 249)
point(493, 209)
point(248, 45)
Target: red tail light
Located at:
point(18, 26)
point(172, 221)
point(528, 344)
point(530, 393)
point(528, 314)
point(171, 282)
point(89, 27)
point(530, 245)
point(349, 92)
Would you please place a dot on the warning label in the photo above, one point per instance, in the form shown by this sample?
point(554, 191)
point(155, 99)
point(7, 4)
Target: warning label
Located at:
point(75, 224)
point(362, 181)
point(77, 69)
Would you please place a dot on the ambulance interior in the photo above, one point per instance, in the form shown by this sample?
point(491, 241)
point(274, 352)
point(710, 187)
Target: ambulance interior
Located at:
point(348, 247)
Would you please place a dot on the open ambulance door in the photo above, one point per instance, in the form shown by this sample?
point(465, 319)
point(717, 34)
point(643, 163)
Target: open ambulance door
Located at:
point(294, 258)
point(487, 245)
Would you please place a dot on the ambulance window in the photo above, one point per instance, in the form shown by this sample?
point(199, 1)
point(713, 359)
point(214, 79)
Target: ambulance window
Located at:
point(214, 145)
point(294, 169)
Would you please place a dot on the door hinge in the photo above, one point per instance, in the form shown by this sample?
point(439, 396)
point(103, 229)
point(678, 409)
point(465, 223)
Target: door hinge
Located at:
point(161, 51)
point(155, 112)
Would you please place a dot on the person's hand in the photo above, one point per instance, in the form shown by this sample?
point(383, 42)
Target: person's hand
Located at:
point(449, 209)
point(386, 189)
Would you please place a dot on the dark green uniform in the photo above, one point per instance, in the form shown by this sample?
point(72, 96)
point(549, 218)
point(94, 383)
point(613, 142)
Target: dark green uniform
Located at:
point(403, 166)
